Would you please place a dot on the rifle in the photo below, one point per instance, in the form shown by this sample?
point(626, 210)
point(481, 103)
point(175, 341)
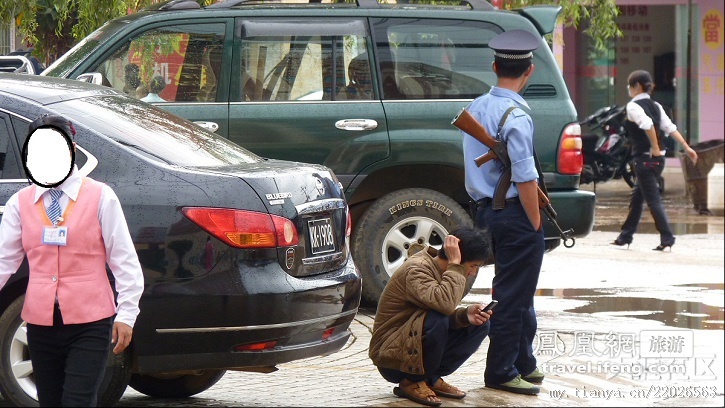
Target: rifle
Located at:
point(467, 123)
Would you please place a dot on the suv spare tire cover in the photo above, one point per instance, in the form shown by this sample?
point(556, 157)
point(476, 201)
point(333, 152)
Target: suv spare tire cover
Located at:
point(393, 223)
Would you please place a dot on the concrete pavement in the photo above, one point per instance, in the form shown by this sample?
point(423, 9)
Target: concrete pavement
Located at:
point(617, 327)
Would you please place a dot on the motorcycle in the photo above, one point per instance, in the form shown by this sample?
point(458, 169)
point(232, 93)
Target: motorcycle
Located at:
point(607, 150)
point(606, 147)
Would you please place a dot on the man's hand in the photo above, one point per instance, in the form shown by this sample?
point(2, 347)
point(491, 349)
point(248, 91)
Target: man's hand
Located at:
point(476, 315)
point(121, 336)
point(453, 252)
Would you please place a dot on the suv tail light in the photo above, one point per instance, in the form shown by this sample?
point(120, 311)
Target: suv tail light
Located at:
point(570, 157)
point(244, 229)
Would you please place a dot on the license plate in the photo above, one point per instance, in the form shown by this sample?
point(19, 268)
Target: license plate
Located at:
point(321, 235)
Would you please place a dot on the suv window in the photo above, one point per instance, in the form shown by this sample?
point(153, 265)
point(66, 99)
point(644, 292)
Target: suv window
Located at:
point(286, 60)
point(434, 59)
point(169, 64)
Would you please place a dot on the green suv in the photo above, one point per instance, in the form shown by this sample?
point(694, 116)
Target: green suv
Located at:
point(367, 89)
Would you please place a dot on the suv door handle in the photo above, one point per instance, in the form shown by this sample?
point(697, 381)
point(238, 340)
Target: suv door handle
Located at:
point(356, 124)
point(210, 126)
point(2, 209)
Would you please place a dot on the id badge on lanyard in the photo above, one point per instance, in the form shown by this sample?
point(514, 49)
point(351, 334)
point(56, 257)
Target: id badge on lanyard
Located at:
point(55, 236)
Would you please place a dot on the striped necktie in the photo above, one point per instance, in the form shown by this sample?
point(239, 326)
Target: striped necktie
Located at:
point(53, 209)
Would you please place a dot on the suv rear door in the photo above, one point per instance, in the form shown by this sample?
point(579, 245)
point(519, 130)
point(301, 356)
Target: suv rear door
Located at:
point(186, 58)
point(430, 69)
point(302, 90)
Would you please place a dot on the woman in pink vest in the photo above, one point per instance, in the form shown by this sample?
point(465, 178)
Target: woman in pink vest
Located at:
point(69, 227)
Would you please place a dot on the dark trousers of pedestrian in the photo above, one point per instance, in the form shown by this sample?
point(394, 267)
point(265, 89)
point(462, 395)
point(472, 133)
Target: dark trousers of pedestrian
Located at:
point(69, 360)
point(648, 171)
point(518, 251)
point(445, 349)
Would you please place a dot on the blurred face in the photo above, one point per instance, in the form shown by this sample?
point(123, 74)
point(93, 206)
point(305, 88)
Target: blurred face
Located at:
point(634, 90)
point(48, 157)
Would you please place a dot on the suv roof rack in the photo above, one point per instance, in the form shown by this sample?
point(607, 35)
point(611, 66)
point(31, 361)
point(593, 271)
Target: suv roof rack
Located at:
point(173, 5)
point(473, 4)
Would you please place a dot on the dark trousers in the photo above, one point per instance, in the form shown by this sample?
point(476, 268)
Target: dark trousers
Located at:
point(518, 251)
point(69, 360)
point(445, 349)
point(648, 171)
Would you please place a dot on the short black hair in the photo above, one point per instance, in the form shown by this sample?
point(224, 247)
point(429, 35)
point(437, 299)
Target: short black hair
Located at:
point(641, 77)
point(511, 68)
point(56, 121)
point(475, 245)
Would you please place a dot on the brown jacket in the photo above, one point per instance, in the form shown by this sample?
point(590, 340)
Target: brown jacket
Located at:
point(415, 288)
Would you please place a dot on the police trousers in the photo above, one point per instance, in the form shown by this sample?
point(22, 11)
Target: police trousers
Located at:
point(518, 251)
point(69, 360)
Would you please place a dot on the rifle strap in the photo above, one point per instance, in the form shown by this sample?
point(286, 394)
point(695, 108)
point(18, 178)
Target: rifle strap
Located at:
point(504, 181)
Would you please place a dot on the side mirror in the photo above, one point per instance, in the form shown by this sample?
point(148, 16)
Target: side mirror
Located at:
point(16, 64)
point(92, 78)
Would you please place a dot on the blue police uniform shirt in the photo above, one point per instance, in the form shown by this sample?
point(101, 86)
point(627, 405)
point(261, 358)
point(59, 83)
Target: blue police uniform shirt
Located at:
point(518, 134)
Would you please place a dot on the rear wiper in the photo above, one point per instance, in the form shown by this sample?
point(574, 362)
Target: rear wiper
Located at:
point(141, 149)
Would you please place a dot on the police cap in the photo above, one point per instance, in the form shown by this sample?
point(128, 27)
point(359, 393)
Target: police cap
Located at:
point(515, 44)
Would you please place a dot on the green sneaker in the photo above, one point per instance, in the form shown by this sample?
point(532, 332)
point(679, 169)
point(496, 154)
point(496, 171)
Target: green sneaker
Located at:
point(536, 377)
point(517, 385)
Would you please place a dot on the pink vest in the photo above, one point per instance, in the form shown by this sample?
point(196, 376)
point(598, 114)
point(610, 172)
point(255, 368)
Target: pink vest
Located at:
point(75, 273)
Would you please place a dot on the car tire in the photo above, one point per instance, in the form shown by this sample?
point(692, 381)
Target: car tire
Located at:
point(16, 382)
point(175, 386)
point(394, 222)
point(18, 386)
point(115, 381)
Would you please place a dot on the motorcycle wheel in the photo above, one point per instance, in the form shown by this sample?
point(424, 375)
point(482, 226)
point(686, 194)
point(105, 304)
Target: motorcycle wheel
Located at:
point(628, 175)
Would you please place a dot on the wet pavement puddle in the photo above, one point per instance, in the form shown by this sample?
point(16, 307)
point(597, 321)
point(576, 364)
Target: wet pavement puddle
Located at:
point(613, 302)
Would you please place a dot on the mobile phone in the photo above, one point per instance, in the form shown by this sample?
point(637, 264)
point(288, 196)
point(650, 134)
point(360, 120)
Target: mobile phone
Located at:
point(490, 306)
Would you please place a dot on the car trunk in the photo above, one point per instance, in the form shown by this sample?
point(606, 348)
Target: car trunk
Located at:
point(312, 198)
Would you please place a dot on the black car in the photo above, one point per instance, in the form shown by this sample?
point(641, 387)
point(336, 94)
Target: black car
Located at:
point(245, 259)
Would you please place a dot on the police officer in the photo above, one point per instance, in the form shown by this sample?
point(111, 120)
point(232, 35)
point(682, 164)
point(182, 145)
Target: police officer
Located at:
point(516, 230)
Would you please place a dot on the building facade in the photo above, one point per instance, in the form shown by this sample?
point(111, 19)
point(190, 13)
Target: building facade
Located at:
point(657, 37)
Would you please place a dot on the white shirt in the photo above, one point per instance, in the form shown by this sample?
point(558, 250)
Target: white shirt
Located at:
point(121, 255)
point(636, 114)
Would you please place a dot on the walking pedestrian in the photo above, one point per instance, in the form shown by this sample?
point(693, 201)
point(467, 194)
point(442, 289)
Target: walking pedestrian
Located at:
point(646, 120)
point(69, 227)
point(516, 230)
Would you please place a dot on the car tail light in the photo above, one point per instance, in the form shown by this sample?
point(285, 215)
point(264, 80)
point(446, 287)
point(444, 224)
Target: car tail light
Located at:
point(348, 229)
point(267, 345)
point(570, 157)
point(244, 229)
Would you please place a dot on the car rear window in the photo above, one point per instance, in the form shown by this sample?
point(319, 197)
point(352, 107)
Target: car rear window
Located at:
point(154, 132)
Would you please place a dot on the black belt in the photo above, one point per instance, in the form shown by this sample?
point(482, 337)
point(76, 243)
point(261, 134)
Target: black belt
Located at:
point(486, 202)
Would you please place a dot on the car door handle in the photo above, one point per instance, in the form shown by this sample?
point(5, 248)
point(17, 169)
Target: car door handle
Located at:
point(210, 126)
point(356, 124)
point(2, 209)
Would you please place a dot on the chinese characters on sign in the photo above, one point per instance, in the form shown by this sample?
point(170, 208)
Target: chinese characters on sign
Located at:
point(665, 355)
point(712, 54)
point(637, 39)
